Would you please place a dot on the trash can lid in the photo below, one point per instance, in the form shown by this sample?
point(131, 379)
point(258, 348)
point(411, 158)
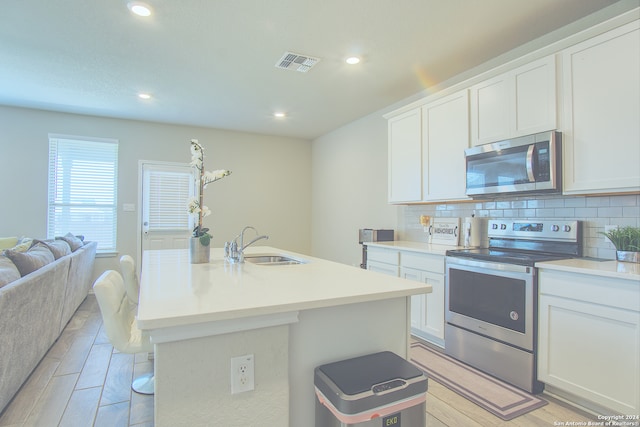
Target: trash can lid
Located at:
point(360, 374)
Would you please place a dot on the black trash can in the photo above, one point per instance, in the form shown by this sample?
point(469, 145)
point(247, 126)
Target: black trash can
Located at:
point(377, 390)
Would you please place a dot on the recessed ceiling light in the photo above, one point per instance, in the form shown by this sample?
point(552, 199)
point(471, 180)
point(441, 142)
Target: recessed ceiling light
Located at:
point(280, 114)
point(144, 96)
point(353, 60)
point(140, 9)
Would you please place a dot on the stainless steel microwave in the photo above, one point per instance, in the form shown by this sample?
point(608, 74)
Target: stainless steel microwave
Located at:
point(528, 164)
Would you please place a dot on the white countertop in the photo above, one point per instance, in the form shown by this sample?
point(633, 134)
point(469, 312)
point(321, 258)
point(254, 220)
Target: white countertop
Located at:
point(611, 269)
point(174, 292)
point(405, 245)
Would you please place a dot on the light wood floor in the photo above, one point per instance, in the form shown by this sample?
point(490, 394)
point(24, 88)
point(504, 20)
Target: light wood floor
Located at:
point(82, 381)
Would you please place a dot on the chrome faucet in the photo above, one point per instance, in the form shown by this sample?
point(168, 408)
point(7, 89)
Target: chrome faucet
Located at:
point(234, 252)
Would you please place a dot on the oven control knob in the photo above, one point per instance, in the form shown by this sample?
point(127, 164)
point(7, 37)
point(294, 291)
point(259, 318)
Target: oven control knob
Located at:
point(555, 228)
point(503, 226)
point(494, 226)
point(566, 228)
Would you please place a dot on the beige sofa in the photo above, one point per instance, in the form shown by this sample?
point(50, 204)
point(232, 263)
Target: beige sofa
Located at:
point(34, 310)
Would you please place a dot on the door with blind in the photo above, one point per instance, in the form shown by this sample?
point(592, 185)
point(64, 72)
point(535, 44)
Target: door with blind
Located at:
point(165, 223)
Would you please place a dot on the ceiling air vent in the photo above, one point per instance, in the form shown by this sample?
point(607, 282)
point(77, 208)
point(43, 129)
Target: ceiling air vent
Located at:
point(296, 62)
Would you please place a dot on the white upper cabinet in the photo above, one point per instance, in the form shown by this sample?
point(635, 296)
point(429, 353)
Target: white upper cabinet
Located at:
point(519, 102)
point(445, 136)
point(601, 132)
point(426, 151)
point(490, 110)
point(596, 83)
point(405, 154)
point(535, 98)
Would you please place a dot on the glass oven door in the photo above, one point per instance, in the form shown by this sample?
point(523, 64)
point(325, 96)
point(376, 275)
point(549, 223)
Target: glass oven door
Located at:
point(492, 299)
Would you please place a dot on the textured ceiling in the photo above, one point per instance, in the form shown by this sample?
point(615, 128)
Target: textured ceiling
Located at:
point(212, 63)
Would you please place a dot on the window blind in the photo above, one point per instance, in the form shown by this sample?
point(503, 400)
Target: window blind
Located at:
point(167, 192)
point(82, 192)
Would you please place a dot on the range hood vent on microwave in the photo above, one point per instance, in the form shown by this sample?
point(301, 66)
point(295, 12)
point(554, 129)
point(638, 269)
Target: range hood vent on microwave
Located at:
point(526, 165)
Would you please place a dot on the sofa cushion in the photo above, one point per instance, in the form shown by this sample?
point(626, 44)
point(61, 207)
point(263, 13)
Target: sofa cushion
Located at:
point(8, 242)
point(58, 248)
point(23, 244)
point(8, 271)
point(37, 256)
point(72, 240)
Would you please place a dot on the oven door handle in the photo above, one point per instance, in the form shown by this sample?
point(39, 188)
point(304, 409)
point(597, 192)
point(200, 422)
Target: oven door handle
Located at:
point(489, 266)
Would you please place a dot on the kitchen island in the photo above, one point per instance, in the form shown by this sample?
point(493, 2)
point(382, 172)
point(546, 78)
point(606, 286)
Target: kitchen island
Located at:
point(291, 318)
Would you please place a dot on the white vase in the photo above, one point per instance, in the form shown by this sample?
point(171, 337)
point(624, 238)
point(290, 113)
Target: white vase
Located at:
point(198, 253)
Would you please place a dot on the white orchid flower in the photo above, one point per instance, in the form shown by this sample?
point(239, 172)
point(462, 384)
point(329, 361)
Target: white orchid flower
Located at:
point(194, 203)
point(209, 177)
point(196, 162)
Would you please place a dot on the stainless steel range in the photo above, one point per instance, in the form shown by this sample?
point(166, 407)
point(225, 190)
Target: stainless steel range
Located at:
point(492, 296)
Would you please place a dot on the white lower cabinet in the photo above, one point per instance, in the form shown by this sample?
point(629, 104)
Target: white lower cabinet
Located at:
point(589, 339)
point(381, 267)
point(383, 260)
point(427, 310)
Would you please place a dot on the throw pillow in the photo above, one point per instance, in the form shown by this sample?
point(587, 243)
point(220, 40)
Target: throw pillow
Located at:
point(38, 256)
point(72, 240)
point(58, 248)
point(8, 271)
point(8, 242)
point(23, 244)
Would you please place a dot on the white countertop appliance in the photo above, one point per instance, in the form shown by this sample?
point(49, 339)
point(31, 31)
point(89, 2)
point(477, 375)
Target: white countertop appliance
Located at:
point(491, 296)
point(528, 164)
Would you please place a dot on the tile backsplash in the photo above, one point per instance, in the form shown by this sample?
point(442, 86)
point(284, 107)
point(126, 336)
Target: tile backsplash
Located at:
point(594, 211)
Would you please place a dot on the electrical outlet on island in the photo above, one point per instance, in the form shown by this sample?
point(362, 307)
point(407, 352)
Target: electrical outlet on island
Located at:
point(242, 374)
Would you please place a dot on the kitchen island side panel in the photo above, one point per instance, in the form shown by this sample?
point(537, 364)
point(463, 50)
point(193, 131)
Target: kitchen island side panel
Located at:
point(193, 380)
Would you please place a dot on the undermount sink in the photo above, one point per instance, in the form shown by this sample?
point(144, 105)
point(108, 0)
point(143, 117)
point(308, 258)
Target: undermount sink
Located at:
point(272, 259)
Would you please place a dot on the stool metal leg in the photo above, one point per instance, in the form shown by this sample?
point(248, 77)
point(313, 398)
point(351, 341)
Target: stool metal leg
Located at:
point(144, 384)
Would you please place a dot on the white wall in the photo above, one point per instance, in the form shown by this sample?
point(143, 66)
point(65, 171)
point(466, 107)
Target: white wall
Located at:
point(349, 189)
point(270, 186)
